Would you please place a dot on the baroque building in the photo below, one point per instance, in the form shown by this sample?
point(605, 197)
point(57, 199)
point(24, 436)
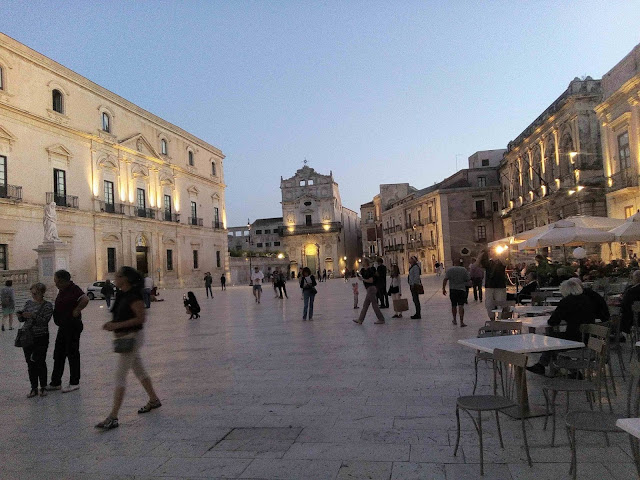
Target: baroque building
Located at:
point(553, 169)
point(130, 187)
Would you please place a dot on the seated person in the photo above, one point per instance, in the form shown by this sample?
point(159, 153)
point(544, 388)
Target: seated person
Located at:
point(575, 308)
point(631, 294)
point(155, 294)
point(600, 307)
point(529, 287)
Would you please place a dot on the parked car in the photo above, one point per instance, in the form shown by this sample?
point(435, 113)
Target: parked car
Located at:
point(93, 290)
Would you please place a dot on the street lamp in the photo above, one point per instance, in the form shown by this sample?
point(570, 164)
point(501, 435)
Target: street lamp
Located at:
point(250, 252)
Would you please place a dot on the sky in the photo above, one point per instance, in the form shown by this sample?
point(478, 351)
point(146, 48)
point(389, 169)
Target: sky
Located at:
point(376, 92)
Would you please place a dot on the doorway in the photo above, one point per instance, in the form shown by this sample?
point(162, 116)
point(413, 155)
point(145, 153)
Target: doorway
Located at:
point(142, 263)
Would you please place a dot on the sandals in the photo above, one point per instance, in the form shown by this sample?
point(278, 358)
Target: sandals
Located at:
point(108, 423)
point(151, 404)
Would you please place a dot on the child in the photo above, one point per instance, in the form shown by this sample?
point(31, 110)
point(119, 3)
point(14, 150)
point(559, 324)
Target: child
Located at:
point(355, 294)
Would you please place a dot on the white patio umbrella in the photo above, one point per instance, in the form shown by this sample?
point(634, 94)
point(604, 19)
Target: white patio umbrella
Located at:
point(629, 231)
point(565, 233)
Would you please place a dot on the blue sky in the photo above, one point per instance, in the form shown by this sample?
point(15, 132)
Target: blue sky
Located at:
point(377, 92)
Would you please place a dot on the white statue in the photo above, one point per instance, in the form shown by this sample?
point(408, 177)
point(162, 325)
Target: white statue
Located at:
point(49, 221)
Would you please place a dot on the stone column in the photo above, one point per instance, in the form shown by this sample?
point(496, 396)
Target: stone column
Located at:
point(52, 256)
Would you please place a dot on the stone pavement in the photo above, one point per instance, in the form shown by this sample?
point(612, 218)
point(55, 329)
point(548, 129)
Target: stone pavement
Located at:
point(250, 391)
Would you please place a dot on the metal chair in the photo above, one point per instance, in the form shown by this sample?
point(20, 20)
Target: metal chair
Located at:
point(615, 346)
point(493, 329)
point(605, 423)
point(635, 329)
point(591, 385)
point(513, 366)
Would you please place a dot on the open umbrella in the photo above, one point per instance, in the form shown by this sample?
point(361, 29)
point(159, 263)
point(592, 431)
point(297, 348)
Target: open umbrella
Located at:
point(565, 233)
point(629, 231)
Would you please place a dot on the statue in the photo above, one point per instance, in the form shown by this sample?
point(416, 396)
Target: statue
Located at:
point(49, 221)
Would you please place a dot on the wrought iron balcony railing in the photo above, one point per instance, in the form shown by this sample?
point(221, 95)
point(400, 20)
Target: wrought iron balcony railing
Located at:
point(144, 212)
point(167, 216)
point(12, 192)
point(63, 201)
point(195, 221)
point(117, 208)
point(216, 225)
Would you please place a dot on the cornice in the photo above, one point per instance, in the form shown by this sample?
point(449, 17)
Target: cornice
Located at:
point(630, 88)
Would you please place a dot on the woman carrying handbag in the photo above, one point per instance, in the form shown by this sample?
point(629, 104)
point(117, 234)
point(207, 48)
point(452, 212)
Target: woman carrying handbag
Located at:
point(308, 286)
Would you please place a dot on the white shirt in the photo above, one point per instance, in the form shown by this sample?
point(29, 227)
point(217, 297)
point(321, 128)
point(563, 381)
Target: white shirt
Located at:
point(148, 283)
point(256, 277)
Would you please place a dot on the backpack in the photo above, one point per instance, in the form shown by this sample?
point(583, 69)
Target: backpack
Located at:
point(5, 297)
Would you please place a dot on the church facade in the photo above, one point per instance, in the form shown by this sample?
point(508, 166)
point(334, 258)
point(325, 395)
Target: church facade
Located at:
point(130, 188)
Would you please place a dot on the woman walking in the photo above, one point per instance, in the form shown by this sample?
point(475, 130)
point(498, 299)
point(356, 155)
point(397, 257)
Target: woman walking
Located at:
point(395, 290)
point(192, 305)
point(308, 286)
point(368, 275)
point(36, 315)
point(128, 320)
point(8, 302)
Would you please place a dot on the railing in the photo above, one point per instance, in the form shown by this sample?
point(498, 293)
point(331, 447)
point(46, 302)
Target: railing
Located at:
point(195, 221)
point(117, 208)
point(167, 216)
point(309, 229)
point(144, 212)
point(12, 192)
point(476, 214)
point(65, 201)
point(20, 278)
point(623, 179)
point(481, 240)
point(216, 225)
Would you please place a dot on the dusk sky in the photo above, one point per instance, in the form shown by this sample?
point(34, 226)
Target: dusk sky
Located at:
point(377, 92)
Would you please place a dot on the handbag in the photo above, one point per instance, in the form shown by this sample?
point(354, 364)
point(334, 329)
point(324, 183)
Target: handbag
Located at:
point(24, 338)
point(401, 305)
point(393, 290)
point(313, 290)
point(418, 288)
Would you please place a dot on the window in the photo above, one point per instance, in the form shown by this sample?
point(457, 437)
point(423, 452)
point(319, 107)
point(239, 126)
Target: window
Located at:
point(258, 232)
point(195, 259)
point(628, 211)
point(163, 147)
point(4, 262)
point(1, 79)
point(213, 168)
point(259, 245)
point(167, 207)
point(60, 187)
point(276, 244)
point(495, 206)
point(432, 240)
point(3, 176)
point(430, 214)
point(308, 220)
point(624, 154)
point(216, 217)
point(482, 181)
point(267, 231)
point(481, 232)
point(169, 260)
point(106, 122)
point(485, 162)
point(302, 183)
point(191, 162)
point(108, 196)
point(370, 216)
point(57, 101)
point(480, 209)
point(310, 182)
point(268, 244)
point(141, 197)
point(111, 260)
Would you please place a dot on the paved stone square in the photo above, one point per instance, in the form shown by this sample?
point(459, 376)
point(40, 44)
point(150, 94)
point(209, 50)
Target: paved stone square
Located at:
point(251, 391)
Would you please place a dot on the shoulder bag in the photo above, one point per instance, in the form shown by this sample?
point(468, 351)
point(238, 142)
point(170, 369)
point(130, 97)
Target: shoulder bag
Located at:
point(24, 337)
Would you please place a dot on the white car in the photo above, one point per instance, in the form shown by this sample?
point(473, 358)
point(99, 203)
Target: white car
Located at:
point(93, 290)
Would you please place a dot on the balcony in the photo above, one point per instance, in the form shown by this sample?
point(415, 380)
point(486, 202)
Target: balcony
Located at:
point(481, 240)
point(167, 216)
point(310, 229)
point(144, 213)
point(63, 201)
point(195, 221)
point(11, 192)
point(217, 225)
point(116, 208)
point(622, 179)
point(480, 214)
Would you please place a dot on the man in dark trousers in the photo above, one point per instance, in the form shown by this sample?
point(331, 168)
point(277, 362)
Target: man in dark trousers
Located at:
point(381, 284)
point(223, 282)
point(70, 301)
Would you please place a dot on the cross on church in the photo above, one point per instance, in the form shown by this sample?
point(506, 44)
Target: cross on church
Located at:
point(305, 160)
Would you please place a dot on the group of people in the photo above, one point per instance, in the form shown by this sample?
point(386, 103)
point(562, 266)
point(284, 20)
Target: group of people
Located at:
point(128, 317)
point(208, 283)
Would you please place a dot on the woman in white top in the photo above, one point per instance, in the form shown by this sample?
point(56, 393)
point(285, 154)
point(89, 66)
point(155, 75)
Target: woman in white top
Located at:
point(395, 290)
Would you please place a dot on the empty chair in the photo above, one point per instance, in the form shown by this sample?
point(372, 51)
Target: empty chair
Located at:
point(493, 329)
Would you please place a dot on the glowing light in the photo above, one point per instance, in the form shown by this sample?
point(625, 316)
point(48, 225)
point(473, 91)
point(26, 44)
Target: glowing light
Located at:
point(345, 258)
point(281, 256)
point(326, 227)
point(543, 188)
point(500, 249)
point(610, 181)
point(291, 228)
point(176, 203)
point(579, 187)
point(577, 172)
point(572, 155)
point(557, 183)
point(571, 192)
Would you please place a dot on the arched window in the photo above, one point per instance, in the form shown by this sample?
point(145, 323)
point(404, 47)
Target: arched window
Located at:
point(106, 122)
point(565, 155)
point(550, 155)
point(213, 168)
point(57, 99)
point(163, 146)
point(190, 158)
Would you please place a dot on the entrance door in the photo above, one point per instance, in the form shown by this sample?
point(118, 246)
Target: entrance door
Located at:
point(312, 263)
point(141, 259)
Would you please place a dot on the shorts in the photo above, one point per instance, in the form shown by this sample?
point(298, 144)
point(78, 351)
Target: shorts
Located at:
point(457, 297)
point(257, 287)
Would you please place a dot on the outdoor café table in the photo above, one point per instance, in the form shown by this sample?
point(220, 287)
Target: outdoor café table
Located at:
point(630, 425)
point(525, 343)
point(552, 300)
point(532, 310)
point(533, 323)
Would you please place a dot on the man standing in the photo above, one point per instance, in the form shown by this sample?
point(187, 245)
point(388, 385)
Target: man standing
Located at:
point(415, 284)
point(324, 275)
point(368, 274)
point(458, 278)
point(256, 278)
point(107, 290)
point(381, 284)
point(223, 282)
point(146, 291)
point(477, 275)
point(70, 301)
point(495, 282)
point(208, 281)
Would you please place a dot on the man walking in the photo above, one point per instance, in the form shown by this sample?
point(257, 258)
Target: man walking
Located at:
point(146, 291)
point(208, 281)
point(381, 284)
point(368, 274)
point(415, 285)
point(223, 282)
point(107, 290)
point(458, 278)
point(256, 278)
point(70, 301)
point(477, 274)
point(495, 282)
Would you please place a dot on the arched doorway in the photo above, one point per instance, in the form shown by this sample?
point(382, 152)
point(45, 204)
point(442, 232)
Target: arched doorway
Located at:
point(311, 253)
point(142, 254)
point(328, 265)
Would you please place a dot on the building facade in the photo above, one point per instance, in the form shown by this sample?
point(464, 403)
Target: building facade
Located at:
point(263, 236)
point(318, 231)
point(130, 187)
point(553, 169)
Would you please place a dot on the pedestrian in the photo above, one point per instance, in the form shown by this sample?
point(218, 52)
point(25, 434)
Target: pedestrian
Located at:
point(354, 286)
point(146, 293)
point(477, 275)
point(107, 291)
point(192, 305)
point(282, 283)
point(457, 277)
point(127, 326)
point(274, 283)
point(8, 302)
point(223, 282)
point(415, 285)
point(208, 281)
point(67, 315)
point(395, 289)
point(368, 274)
point(256, 279)
point(439, 268)
point(308, 285)
point(319, 277)
point(495, 282)
point(324, 275)
point(381, 284)
point(36, 314)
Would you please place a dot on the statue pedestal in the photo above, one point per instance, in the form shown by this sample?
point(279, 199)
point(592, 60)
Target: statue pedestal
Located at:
point(52, 256)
